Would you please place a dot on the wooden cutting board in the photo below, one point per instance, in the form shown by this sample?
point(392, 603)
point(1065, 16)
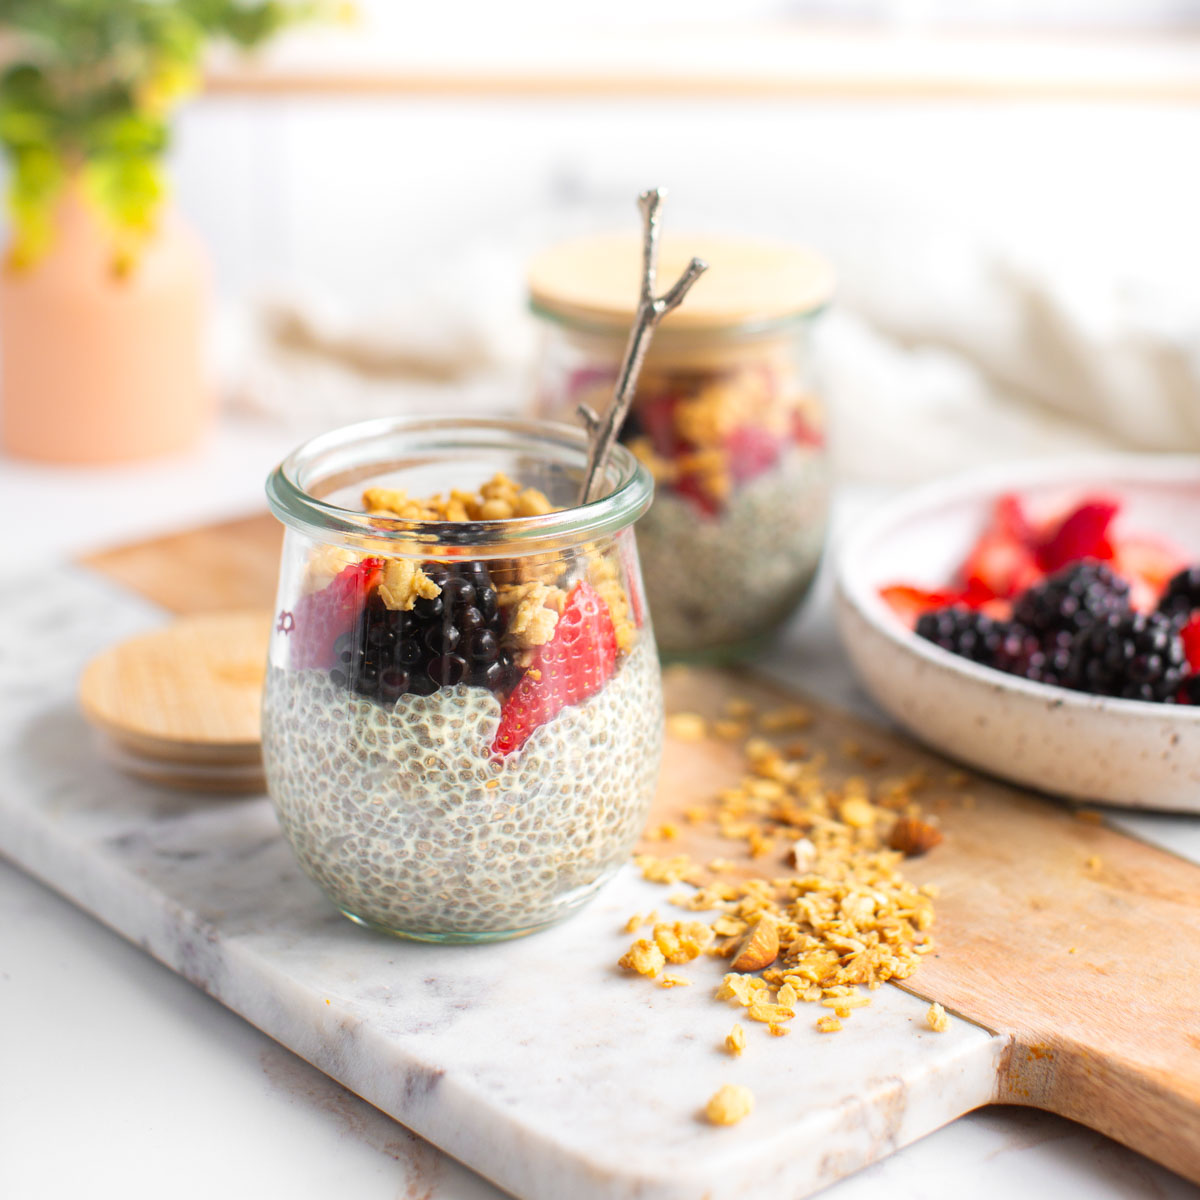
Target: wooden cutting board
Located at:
point(1078, 943)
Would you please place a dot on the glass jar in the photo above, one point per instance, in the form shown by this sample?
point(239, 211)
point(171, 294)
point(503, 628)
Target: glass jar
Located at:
point(462, 720)
point(726, 417)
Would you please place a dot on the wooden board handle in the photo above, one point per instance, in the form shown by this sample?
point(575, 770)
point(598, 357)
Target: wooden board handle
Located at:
point(1125, 1091)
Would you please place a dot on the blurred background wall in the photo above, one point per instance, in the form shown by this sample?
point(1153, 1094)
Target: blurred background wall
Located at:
point(1010, 190)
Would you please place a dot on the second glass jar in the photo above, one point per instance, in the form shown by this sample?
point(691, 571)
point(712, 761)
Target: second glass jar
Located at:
point(728, 421)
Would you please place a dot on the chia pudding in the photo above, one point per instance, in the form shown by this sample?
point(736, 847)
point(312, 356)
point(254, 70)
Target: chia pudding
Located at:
point(460, 746)
point(408, 822)
point(716, 580)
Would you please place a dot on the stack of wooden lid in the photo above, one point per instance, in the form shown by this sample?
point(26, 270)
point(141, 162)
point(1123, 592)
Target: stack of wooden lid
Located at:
point(180, 706)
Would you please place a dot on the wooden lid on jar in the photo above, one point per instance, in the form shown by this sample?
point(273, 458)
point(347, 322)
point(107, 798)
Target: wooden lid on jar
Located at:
point(750, 282)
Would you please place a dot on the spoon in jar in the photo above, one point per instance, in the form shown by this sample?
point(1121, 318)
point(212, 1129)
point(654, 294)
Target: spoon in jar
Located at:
point(650, 311)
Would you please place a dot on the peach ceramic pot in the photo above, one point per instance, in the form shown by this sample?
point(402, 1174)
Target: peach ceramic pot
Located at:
point(96, 367)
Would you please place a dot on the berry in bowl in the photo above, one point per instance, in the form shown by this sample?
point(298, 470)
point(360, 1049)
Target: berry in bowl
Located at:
point(1042, 623)
point(462, 718)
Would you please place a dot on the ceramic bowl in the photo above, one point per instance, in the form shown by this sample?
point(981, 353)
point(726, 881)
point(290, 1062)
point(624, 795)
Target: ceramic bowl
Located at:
point(1123, 752)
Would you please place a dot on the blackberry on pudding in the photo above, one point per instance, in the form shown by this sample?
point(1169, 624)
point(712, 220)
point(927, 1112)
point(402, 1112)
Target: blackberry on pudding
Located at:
point(440, 641)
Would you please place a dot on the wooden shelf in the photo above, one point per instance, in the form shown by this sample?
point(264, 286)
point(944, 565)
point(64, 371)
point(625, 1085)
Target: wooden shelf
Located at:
point(741, 62)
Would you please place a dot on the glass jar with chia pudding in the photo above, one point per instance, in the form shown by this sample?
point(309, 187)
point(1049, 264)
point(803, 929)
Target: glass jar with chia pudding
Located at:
point(462, 720)
point(726, 418)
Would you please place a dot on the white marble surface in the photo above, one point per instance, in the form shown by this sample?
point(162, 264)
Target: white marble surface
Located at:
point(145, 1068)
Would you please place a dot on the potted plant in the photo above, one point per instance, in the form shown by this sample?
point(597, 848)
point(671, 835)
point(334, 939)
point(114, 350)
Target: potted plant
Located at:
point(103, 289)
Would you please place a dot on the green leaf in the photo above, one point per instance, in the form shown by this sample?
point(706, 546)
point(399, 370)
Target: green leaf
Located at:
point(37, 178)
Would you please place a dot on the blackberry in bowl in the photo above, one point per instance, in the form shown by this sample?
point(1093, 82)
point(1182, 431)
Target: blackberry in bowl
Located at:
point(1181, 596)
point(1135, 656)
point(1071, 600)
point(462, 717)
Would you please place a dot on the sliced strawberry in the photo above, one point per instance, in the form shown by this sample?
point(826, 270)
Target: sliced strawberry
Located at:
point(751, 450)
point(656, 416)
point(575, 664)
point(322, 617)
point(688, 486)
point(1008, 516)
point(805, 433)
point(1150, 561)
point(1190, 636)
point(908, 603)
point(1082, 533)
point(999, 567)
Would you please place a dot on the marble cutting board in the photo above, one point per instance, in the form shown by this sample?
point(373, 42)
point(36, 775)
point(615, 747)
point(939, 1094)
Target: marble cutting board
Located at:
point(536, 1062)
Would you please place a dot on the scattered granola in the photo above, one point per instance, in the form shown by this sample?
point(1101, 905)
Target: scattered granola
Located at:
point(730, 730)
point(936, 1018)
point(729, 1104)
point(687, 727)
point(644, 957)
point(735, 1040)
point(845, 920)
point(779, 720)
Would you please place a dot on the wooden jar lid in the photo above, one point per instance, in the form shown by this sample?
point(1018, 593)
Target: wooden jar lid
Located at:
point(181, 705)
point(751, 282)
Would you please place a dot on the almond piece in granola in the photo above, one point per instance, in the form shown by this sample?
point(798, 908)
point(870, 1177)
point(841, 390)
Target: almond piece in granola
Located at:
point(759, 946)
point(912, 836)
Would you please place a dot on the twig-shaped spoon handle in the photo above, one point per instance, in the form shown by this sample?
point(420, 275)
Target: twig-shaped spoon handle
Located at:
point(650, 311)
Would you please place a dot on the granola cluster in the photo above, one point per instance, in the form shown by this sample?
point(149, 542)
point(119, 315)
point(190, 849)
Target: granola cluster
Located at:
point(605, 576)
point(844, 921)
point(535, 609)
point(500, 499)
point(324, 565)
point(403, 583)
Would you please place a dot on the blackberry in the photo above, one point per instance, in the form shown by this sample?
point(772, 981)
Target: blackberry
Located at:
point(1071, 600)
point(1041, 660)
point(1136, 656)
point(456, 637)
point(1004, 645)
point(965, 632)
point(1189, 692)
point(1182, 595)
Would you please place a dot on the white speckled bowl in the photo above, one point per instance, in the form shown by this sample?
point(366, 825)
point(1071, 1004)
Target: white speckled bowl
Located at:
point(1112, 751)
